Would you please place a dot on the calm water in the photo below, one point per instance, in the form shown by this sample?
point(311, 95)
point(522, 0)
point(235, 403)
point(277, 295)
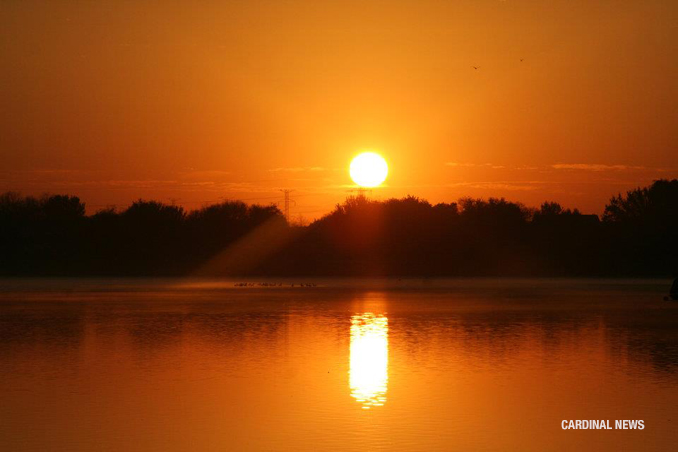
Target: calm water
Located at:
point(169, 365)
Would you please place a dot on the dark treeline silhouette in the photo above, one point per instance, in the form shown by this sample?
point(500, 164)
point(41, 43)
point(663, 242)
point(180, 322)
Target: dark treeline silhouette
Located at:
point(52, 235)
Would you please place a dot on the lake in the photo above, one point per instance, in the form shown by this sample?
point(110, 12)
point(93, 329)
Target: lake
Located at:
point(350, 365)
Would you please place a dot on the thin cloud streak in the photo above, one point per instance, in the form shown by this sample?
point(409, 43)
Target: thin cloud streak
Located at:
point(596, 167)
point(297, 169)
point(474, 165)
point(590, 167)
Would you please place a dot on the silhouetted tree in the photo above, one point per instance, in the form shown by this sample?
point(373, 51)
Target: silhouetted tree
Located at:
point(565, 241)
point(51, 235)
point(40, 235)
point(212, 228)
point(642, 225)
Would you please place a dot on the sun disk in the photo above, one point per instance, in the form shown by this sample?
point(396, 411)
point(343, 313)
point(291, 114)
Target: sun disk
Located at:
point(368, 169)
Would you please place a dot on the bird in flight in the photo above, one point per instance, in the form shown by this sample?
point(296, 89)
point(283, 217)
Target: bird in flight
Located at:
point(521, 60)
point(476, 67)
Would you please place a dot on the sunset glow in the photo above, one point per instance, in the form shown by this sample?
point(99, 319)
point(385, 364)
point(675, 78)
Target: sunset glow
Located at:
point(348, 225)
point(238, 100)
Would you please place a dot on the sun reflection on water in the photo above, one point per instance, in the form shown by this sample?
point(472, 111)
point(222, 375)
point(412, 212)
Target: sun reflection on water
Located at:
point(368, 373)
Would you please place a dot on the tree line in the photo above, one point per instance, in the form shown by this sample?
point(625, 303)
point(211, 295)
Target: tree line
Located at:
point(52, 236)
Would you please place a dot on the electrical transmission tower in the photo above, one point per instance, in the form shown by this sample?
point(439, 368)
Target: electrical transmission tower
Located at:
point(287, 192)
point(362, 191)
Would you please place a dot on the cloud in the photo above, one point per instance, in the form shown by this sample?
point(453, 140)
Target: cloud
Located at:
point(488, 165)
point(592, 167)
point(46, 171)
point(501, 185)
point(297, 169)
point(504, 186)
point(200, 175)
point(118, 183)
point(595, 167)
point(467, 165)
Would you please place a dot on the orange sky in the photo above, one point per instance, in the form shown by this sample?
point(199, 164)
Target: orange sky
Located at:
point(204, 100)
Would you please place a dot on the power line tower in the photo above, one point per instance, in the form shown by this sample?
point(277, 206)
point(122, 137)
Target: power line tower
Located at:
point(362, 191)
point(287, 192)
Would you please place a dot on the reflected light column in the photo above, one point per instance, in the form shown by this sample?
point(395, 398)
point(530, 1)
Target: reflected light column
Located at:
point(368, 372)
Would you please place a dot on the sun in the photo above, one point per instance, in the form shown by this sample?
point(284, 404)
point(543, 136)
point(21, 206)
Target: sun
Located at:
point(368, 169)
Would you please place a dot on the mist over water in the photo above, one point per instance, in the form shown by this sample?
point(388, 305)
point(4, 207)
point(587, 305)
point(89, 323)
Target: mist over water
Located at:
point(173, 365)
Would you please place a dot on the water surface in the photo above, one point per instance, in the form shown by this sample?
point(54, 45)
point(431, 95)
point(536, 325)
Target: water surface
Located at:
point(178, 365)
